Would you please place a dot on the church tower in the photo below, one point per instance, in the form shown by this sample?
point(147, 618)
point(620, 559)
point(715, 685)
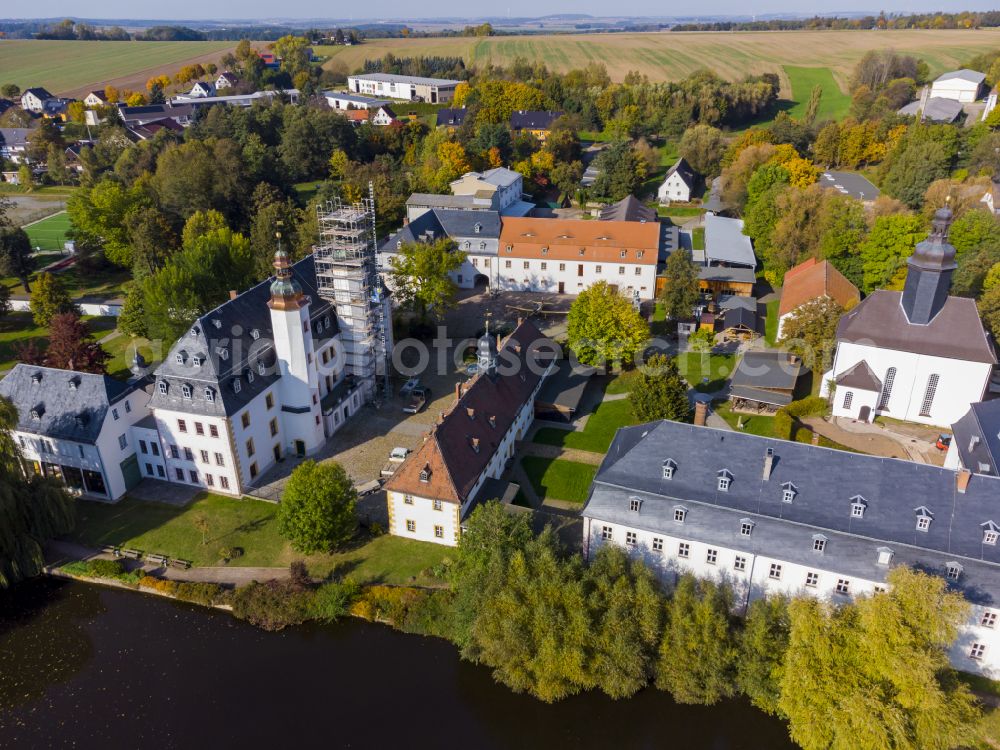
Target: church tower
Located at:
point(298, 388)
point(928, 276)
point(486, 349)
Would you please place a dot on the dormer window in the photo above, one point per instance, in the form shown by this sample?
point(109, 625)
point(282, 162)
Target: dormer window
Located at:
point(819, 543)
point(788, 492)
point(477, 228)
point(953, 570)
point(884, 556)
point(254, 334)
point(746, 527)
point(991, 533)
point(669, 467)
point(583, 250)
point(186, 390)
point(237, 385)
point(924, 518)
point(634, 504)
point(217, 323)
point(162, 386)
point(624, 253)
point(74, 383)
point(223, 353)
point(326, 321)
point(36, 378)
point(196, 360)
point(639, 253)
point(680, 513)
point(858, 505)
point(509, 248)
point(249, 376)
point(179, 358)
point(723, 480)
point(36, 413)
point(425, 473)
point(260, 368)
point(209, 395)
point(399, 244)
point(195, 330)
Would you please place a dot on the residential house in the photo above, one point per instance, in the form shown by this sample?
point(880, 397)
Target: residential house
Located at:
point(226, 80)
point(356, 116)
point(851, 184)
point(150, 129)
point(95, 99)
point(503, 186)
point(5, 104)
point(959, 85)
point(811, 280)
point(678, 183)
point(201, 89)
point(269, 59)
point(569, 255)
point(538, 123)
point(346, 100)
point(476, 233)
point(727, 264)
point(451, 118)
point(774, 517)
point(14, 144)
point(628, 208)
point(764, 381)
point(33, 99)
point(455, 468)
point(383, 116)
point(918, 355)
point(236, 100)
point(76, 427)
point(975, 442)
point(404, 88)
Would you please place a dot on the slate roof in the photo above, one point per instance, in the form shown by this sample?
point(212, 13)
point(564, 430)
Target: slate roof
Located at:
point(850, 183)
point(767, 369)
point(936, 108)
point(453, 116)
point(811, 280)
point(14, 137)
point(5, 104)
point(501, 176)
point(726, 243)
point(446, 222)
point(860, 376)
point(724, 273)
point(628, 208)
point(435, 200)
point(71, 405)
point(825, 481)
point(38, 91)
point(565, 386)
point(231, 328)
point(977, 438)
point(956, 332)
point(972, 76)
point(524, 119)
point(739, 317)
point(454, 465)
point(155, 112)
point(683, 170)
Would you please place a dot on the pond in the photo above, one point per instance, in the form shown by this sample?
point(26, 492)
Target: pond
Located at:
point(93, 667)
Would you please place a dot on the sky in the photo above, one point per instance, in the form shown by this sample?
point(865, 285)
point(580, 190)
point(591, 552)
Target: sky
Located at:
point(402, 9)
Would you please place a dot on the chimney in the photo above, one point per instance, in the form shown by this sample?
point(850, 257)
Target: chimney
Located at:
point(493, 421)
point(962, 477)
point(520, 320)
point(700, 413)
point(471, 412)
point(233, 294)
point(458, 391)
point(475, 444)
point(768, 463)
point(973, 442)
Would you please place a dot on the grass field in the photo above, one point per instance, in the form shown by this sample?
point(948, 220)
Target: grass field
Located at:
point(18, 329)
point(771, 322)
point(834, 103)
point(598, 432)
point(74, 67)
point(696, 366)
point(250, 525)
point(673, 55)
point(559, 479)
point(50, 233)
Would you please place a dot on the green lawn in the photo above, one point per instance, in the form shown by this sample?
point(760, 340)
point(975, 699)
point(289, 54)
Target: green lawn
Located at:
point(106, 283)
point(599, 431)
point(679, 211)
point(771, 322)
point(834, 105)
point(250, 525)
point(696, 366)
point(764, 426)
point(50, 233)
point(622, 382)
point(698, 238)
point(120, 351)
point(18, 329)
point(559, 479)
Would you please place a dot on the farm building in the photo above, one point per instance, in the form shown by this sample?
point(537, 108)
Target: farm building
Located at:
point(404, 88)
point(811, 280)
point(960, 85)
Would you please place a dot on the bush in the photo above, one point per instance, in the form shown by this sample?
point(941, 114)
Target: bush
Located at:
point(230, 553)
point(205, 594)
point(113, 570)
point(432, 614)
point(813, 406)
point(272, 605)
point(333, 600)
point(783, 425)
point(389, 604)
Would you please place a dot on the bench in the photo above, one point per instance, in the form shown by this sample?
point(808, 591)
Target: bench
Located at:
point(176, 562)
point(158, 559)
point(110, 549)
point(133, 554)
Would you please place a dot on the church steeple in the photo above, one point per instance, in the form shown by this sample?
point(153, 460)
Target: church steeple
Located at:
point(928, 276)
point(487, 352)
point(286, 294)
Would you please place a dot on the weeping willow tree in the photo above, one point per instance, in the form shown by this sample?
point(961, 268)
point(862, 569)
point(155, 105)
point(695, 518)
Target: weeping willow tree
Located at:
point(32, 509)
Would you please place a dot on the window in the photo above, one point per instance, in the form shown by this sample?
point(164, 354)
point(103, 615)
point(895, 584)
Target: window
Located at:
point(858, 505)
point(199, 428)
point(128, 407)
point(250, 372)
point(253, 470)
point(527, 265)
point(680, 514)
point(953, 570)
point(683, 549)
point(439, 532)
point(989, 620)
point(812, 579)
point(739, 563)
point(819, 543)
point(990, 534)
point(879, 589)
point(746, 527)
point(545, 266)
point(843, 586)
point(506, 264)
point(273, 424)
point(621, 270)
point(977, 651)
point(142, 446)
point(224, 482)
point(204, 456)
point(724, 480)
point(634, 504)
point(193, 476)
point(250, 448)
point(122, 442)
point(182, 425)
point(408, 499)
point(185, 391)
point(188, 455)
point(245, 419)
point(179, 473)
point(411, 526)
point(437, 505)
point(668, 468)
point(788, 492)
point(638, 271)
point(162, 386)
point(712, 556)
point(624, 253)
point(924, 519)
point(209, 480)
point(890, 376)
point(114, 414)
point(196, 360)
point(237, 385)
point(657, 544)
point(597, 269)
point(884, 556)
point(149, 470)
point(213, 430)
point(775, 572)
point(219, 460)
point(209, 395)
point(630, 538)
point(154, 448)
point(562, 266)
point(932, 384)
point(606, 532)
point(848, 398)
point(173, 452)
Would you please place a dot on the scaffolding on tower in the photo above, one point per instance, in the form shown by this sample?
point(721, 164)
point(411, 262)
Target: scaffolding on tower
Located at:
point(347, 275)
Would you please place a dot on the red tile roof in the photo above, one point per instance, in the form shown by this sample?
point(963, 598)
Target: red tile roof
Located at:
point(813, 279)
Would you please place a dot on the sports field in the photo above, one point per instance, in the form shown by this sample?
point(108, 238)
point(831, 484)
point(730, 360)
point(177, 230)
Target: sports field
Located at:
point(73, 68)
point(674, 55)
point(49, 233)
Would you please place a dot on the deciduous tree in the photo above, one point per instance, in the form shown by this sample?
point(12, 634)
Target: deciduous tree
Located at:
point(680, 290)
point(317, 507)
point(420, 276)
point(659, 392)
point(71, 346)
point(15, 255)
point(49, 299)
point(603, 327)
point(763, 642)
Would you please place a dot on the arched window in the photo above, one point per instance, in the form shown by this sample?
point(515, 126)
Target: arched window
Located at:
point(890, 375)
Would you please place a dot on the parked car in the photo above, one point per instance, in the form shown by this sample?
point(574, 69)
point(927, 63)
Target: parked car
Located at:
point(408, 386)
point(943, 442)
point(418, 399)
point(398, 454)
